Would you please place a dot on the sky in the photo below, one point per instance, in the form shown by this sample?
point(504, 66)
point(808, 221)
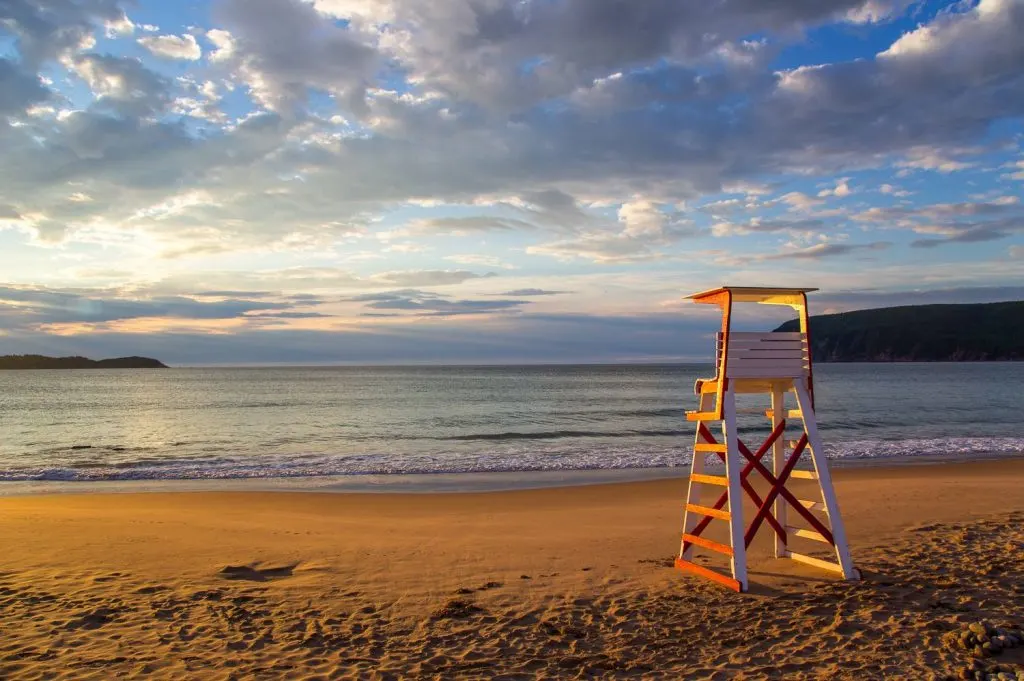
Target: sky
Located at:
point(486, 181)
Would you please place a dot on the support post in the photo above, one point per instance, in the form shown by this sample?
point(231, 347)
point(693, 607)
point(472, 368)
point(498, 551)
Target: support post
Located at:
point(778, 462)
point(733, 475)
point(828, 493)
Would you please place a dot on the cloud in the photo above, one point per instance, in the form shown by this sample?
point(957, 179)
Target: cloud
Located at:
point(23, 306)
point(428, 304)
point(643, 229)
point(122, 83)
point(530, 292)
point(284, 49)
point(479, 259)
point(19, 90)
point(800, 201)
point(427, 277)
point(840, 190)
point(941, 211)
point(759, 225)
point(314, 134)
point(224, 45)
point(827, 250)
point(173, 46)
point(466, 225)
point(972, 234)
point(48, 29)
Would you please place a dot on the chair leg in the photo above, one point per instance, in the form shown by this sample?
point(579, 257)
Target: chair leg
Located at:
point(733, 467)
point(778, 461)
point(828, 493)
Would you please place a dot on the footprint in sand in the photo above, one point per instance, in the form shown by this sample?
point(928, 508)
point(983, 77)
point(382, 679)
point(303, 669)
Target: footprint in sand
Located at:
point(253, 573)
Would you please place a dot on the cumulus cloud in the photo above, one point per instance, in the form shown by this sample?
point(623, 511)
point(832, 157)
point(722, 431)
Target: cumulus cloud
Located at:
point(19, 89)
point(283, 49)
point(122, 83)
point(173, 46)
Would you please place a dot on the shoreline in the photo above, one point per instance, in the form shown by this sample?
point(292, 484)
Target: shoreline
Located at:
point(441, 483)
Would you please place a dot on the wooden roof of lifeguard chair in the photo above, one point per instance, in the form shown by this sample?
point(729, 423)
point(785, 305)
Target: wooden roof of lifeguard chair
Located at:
point(724, 297)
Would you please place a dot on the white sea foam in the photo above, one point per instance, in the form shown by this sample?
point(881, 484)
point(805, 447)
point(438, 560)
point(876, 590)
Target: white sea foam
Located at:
point(512, 458)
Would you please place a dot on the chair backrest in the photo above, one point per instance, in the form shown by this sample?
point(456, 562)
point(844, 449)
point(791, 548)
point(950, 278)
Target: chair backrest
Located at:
point(763, 355)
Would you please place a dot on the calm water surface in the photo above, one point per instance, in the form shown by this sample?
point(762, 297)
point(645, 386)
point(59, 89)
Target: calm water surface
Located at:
point(291, 422)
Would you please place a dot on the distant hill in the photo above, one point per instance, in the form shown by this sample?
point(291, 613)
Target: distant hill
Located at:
point(41, 362)
point(919, 333)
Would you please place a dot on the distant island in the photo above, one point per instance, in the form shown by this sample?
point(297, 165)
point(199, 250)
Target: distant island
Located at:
point(42, 362)
point(919, 333)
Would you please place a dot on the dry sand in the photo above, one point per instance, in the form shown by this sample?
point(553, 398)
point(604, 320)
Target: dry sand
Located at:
point(555, 583)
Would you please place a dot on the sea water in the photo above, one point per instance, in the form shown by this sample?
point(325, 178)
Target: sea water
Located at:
point(305, 422)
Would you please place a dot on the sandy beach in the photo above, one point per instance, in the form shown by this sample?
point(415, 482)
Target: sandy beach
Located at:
point(549, 583)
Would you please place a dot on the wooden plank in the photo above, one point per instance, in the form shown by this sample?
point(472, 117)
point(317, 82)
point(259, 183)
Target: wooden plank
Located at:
point(708, 447)
point(754, 372)
point(807, 534)
point(719, 480)
point(707, 544)
point(813, 505)
point(761, 385)
point(708, 385)
point(702, 416)
point(687, 566)
point(761, 338)
point(767, 354)
point(769, 335)
point(816, 562)
point(756, 361)
point(712, 512)
point(763, 345)
point(765, 363)
point(803, 475)
point(790, 414)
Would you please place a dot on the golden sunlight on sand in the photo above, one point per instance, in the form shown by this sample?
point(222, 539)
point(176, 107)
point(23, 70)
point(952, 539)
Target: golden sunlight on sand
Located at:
point(556, 583)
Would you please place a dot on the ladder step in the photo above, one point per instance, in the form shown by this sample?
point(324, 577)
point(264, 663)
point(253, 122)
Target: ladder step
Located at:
point(815, 562)
point(803, 475)
point(702, 416)
point(713, 512)
point(687, 566)
point(707, 544)
point(708, 447)
point(807, 534)
point(813, 505)
point(719, 480)
point(790, 414)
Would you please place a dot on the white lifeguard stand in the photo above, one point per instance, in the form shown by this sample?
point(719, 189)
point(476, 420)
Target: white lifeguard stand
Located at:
point(774, 364)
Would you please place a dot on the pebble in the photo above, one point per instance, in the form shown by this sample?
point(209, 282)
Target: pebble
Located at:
point(982, 641)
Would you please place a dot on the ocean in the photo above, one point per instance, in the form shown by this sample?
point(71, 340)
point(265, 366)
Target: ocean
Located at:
point(304, 423)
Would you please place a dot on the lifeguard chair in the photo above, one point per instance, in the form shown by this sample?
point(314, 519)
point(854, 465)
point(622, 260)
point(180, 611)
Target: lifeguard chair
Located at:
point(773, 364)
